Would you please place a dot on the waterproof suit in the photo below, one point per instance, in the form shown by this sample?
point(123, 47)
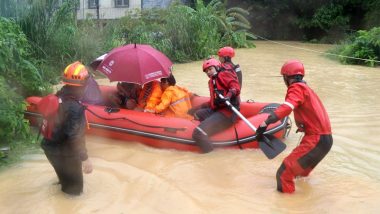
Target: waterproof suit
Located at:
point(217, 116)
point(312, 119)
point(66, 150)
point(175, 102)
point(229, 66)
point(150, 95)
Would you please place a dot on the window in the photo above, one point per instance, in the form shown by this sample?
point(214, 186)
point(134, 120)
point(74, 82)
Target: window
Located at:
point(121, 3)
point(92, 4)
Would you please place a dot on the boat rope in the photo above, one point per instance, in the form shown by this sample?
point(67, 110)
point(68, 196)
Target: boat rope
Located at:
point(315, 51)
point(171, 129)
point(237, 138)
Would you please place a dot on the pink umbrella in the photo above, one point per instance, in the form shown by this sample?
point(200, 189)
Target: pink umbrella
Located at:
point(135, 63)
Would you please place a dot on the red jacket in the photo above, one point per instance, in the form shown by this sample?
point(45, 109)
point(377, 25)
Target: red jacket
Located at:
point(230, 67)
point(309, 112)
point(227, 84)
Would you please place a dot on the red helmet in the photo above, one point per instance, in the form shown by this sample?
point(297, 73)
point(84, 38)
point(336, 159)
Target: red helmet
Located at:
point(75, 74)
point(210, 62)
point(226, 51)
point(292, 67)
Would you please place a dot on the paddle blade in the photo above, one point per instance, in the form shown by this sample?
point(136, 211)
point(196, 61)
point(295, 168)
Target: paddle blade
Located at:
point(271, 146)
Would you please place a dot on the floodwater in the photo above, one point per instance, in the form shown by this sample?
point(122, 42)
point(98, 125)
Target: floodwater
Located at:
point(132, 178)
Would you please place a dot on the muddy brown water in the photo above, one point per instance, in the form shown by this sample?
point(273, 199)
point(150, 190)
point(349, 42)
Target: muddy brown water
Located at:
point(132, 178)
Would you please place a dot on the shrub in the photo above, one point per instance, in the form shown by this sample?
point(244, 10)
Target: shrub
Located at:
point(184, 33)
point(16, 66)
point(364, 45)
point(13, 126)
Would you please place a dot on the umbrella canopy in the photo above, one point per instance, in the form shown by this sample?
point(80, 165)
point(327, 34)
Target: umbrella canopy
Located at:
point(94, 64)
point(135, 63)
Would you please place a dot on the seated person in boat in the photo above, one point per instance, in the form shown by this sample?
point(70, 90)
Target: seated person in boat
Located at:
point(149, 97)
point(127, 94)
point(215, 116)
point(175, 100)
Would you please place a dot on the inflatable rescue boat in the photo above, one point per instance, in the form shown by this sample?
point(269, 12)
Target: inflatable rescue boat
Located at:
point(169, 132)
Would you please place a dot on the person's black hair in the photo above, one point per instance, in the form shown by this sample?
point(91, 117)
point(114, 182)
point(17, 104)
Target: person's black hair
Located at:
point(298, 78)
point(227, 59)
point(171, 80)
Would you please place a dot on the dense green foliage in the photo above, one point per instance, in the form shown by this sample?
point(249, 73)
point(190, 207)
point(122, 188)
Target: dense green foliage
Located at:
point(364, 45)
point(317, 20)
point(56, 37)
point(18, 78)
point(16, 65)
point(184, 33)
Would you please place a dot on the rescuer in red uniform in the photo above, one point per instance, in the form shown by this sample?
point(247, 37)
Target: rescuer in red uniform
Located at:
point(225, 57)
point(215, 116)
point(311, 118)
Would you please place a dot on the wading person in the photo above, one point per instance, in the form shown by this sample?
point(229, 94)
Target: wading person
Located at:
point(311, 118)
point(216, 116)
point(64, 142)
point(225, 57)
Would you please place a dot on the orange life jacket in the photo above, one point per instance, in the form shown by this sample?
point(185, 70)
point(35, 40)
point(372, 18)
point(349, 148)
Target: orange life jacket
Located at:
point(175, 102)
point(150, 95)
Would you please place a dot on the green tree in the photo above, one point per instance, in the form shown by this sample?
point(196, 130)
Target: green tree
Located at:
point(233, 23)
point(18, 78)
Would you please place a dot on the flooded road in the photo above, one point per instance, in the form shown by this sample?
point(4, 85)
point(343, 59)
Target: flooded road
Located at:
point(132, 178)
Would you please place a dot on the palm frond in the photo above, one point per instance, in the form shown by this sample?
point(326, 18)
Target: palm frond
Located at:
point(238, 10)
point(240, 18)
point(240, 25)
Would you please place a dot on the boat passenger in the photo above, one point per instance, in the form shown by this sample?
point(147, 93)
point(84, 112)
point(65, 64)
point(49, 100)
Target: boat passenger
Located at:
point(149, 96)
point(64, 145)
point(175, 100)
point(126, 96)
point(225, 57)
point(215, 116)
point(311, 118)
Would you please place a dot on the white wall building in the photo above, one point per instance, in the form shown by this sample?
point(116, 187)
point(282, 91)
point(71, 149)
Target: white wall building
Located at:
point(113, 9)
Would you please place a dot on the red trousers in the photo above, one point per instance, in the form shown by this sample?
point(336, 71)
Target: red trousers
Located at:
point(302, 160)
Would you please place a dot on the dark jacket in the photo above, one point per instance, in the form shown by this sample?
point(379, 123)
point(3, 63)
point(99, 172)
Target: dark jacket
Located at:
point(68, 137)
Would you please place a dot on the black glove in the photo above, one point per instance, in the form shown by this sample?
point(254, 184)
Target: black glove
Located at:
point(222, 101)
point(260, 131)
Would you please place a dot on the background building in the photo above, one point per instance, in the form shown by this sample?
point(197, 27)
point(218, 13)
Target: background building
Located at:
point(113, 9)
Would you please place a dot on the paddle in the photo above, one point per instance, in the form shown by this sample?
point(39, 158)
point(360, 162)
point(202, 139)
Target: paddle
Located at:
point(270, 145)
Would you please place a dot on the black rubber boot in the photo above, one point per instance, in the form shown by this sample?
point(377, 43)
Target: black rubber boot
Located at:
point(202, 141)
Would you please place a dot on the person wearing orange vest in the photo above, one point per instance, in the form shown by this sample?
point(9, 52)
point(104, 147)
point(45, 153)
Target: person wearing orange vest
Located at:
point(66, 148)
point(310, 117)
point(175, 100)
point(225, 57)
point(150, 96)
